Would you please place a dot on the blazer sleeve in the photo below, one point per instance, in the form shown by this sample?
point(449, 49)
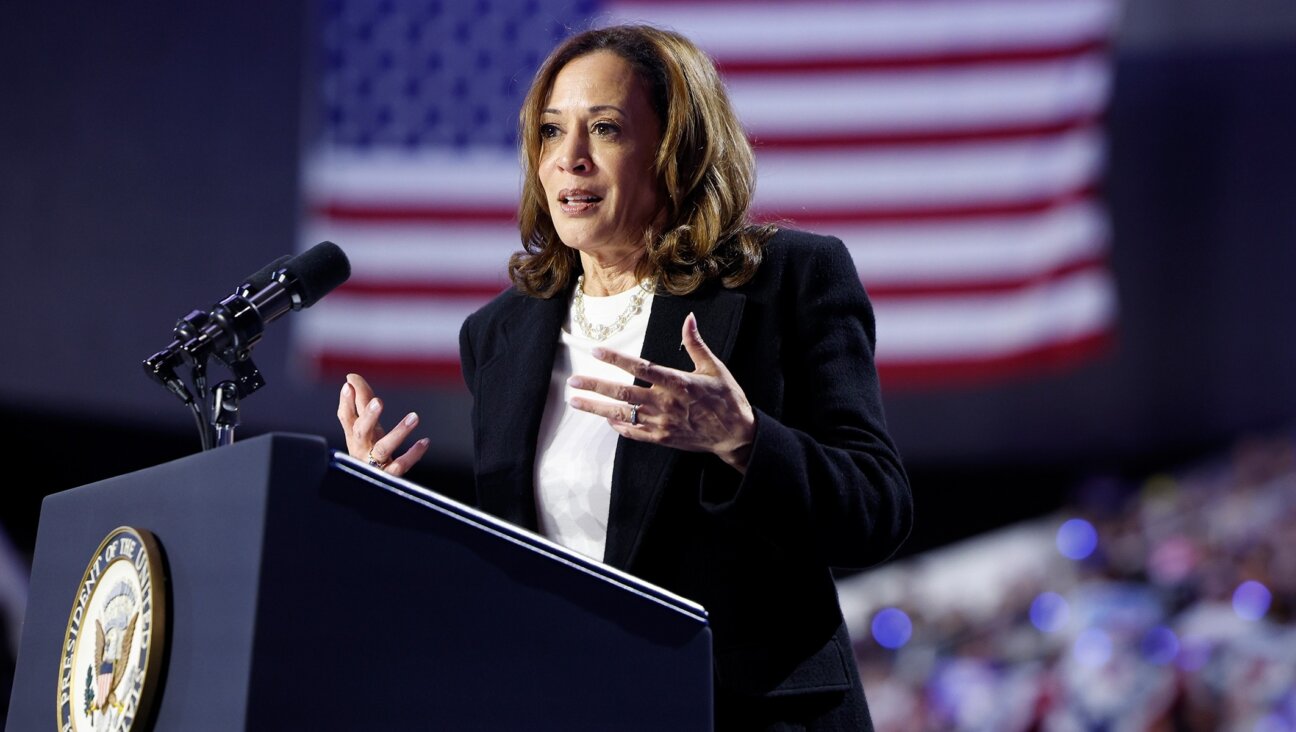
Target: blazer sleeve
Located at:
point(824, 477)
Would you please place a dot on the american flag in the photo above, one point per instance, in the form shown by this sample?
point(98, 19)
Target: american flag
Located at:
point(955, 146)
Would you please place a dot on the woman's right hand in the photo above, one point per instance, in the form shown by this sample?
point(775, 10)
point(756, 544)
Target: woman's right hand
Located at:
point(358, 411)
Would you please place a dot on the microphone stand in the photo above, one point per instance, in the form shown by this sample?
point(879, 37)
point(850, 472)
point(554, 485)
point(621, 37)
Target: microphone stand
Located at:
point(226, 395)
point(215, 426)
point(224, 412)
point(198, 376)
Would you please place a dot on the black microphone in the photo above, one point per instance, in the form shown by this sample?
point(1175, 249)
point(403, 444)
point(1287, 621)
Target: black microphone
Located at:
point(237, 322)
point(161, 366)
point(190, 325)
point(230, 329)
point(261, 278)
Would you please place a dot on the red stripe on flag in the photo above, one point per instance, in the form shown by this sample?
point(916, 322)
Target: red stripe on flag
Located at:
point(738, 66)
point(466, 289)
point(917, 290)
point(825, 218)
point(824, 140)
point(397, 213)
point(1054, 356)
point(406, 370)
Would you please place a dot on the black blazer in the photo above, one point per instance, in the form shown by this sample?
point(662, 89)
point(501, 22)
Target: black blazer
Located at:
point(825, 486)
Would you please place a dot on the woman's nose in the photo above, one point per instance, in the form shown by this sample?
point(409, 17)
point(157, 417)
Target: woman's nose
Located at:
point(574, 155)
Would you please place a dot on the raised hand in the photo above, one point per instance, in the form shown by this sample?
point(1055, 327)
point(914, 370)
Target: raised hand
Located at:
point(359, 411)
point(701, 411)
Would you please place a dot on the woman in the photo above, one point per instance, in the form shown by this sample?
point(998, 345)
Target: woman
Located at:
point(672, 390)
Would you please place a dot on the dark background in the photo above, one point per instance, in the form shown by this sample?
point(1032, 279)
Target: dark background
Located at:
point(149, 160)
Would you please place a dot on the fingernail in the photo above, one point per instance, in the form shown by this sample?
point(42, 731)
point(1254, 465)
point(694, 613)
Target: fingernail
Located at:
point(598, 353)
point(374, 404)
point(422, 443)
point(344, 388)
point(576, 381)
point(411, 419)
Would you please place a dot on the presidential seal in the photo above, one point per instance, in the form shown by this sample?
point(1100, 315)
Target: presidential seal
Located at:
point(115, 634)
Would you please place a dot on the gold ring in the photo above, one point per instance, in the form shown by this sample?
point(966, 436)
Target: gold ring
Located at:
point(373, 462)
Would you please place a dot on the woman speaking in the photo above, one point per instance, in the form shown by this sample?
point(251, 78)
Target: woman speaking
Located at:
point(672, 390)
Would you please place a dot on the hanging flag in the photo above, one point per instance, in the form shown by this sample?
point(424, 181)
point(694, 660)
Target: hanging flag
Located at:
point(955, 146)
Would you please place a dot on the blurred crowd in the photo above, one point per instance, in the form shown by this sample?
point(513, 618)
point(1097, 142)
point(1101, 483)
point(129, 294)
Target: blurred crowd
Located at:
point(1163, 605)
point(13, 603)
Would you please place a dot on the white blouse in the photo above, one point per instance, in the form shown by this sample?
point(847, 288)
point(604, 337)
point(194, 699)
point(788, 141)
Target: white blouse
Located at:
point(576, 449)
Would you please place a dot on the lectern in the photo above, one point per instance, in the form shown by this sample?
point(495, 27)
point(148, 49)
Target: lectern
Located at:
point(307, 591)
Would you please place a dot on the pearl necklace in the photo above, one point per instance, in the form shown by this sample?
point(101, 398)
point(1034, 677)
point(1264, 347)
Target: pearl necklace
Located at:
point(602, 332)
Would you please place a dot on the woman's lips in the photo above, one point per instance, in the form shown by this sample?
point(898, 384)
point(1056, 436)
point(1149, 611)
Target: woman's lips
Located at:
point(575, 201)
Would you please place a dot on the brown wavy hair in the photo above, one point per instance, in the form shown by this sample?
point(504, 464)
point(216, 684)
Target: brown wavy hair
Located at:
point(705, 169)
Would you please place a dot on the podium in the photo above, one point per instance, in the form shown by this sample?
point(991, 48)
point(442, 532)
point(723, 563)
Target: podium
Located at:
point(307, 591)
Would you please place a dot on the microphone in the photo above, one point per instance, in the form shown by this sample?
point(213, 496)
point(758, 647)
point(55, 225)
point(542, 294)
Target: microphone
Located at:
point(190, 325)
point(261, 278)
point(230, 329)
point(161, 366)
point(237, 322)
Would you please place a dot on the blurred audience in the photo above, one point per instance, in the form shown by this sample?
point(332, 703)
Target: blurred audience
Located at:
point(13, 603)
point(1162, 606)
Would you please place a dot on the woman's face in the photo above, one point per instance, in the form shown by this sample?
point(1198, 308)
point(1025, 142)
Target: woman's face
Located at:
point(599, 137)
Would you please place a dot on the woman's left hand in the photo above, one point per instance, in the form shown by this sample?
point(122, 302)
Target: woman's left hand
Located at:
point(701, 411)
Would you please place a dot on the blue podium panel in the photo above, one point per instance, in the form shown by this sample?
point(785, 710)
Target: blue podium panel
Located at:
point(308, 591)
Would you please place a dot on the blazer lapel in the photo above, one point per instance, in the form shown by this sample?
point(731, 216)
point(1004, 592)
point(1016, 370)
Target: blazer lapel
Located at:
point(643, 469)
point(512, 391)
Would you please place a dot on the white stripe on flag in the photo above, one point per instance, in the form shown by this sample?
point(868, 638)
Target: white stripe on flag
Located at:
point(943, 99)
point(845, 28)
point(431, 252)
point(939, 174)
point(979, 251)
point(395, 177)
point(973, 326)
point(395, 327)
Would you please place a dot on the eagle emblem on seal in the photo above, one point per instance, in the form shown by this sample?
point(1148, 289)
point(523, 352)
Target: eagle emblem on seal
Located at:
point(114, 635)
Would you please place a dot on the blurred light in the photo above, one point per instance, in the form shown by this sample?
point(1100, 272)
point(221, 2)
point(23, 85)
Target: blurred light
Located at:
point(1092, 648)
point(1160, 646)
point(1251, 600)
point(1273, 723)
point(1049, 612)
point(1193, 655)
point(1077, 539)
point(1173, 560)
point(891, 628)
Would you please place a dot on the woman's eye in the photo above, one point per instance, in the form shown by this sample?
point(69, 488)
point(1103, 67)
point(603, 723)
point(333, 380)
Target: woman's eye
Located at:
point(606, 128)
point(548, 131)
